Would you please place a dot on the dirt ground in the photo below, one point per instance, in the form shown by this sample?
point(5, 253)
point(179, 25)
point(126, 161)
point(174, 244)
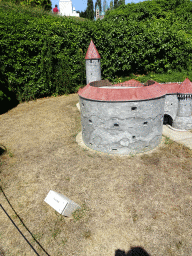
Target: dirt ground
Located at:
point(142, 200)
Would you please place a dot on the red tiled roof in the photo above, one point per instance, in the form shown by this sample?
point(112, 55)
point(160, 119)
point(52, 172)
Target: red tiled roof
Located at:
point(92, 52)
point(185, 87)
point(170, 88)
point(133, 94)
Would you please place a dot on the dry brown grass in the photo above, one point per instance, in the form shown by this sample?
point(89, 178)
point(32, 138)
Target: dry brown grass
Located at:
point(144, 200)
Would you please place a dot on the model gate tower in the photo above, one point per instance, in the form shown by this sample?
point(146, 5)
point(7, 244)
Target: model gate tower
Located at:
point(93, 64)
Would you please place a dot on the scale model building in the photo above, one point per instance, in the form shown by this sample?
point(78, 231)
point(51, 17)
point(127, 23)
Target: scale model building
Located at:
point(67, 9)
point(127, 118)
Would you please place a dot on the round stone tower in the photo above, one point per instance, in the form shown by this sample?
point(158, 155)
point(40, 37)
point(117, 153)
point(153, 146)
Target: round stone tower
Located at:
point(93, 64)
point(121, 119)
point(183, 120)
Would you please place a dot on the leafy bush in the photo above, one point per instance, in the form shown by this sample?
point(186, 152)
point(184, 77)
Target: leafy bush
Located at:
point(43, 54)
point(146, 37)
point(45, 4)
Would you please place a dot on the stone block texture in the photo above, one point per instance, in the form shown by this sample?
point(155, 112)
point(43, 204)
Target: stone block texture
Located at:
point(93, 70)
point(122, 127)
point(183, 120)
point(171, 105)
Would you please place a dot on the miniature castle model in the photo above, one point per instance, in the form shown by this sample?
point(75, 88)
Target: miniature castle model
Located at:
point(98, 14)
point(66, 9)
point(128, 117)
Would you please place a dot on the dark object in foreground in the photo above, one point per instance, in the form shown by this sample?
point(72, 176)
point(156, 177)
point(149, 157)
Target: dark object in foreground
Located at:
point(149, 82)
point(135, 251)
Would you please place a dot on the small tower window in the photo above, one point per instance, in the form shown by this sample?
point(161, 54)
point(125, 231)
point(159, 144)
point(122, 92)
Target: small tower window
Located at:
point(90, 61)
point(133, 108)
point(98, 60)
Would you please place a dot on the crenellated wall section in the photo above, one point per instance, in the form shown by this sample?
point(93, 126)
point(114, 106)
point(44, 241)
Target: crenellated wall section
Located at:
point(127, 118)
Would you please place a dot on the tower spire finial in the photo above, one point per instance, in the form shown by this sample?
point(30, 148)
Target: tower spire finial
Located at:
point(92, 52)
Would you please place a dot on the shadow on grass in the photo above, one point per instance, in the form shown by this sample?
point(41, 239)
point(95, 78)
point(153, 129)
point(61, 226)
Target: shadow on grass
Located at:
point(2, 149)
point(6, 104)
point(23, 225)
point(134, 251)
point(8, 99)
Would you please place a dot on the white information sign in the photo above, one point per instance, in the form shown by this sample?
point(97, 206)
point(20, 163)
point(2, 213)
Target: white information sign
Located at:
point(61, 203)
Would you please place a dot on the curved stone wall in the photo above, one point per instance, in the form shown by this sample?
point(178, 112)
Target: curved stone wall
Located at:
point(183, 120)
point(171, 105)
point(93, 70)
point(122, 127)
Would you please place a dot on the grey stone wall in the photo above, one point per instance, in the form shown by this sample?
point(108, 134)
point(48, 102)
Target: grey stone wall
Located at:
point(122, 127)
point(184, 108)
point(191, 105)
point(183, 120)
point(171, 105)
point(93, 70)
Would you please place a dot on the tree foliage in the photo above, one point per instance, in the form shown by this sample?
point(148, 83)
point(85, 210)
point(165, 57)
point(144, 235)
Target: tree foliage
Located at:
point(42, 54)
point(45, 4)
point(98, 2)
point(116, 4)
point(111, 4)
point(83, 14)
point(89, 10)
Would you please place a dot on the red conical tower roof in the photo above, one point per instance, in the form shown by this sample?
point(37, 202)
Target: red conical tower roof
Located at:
point(185, 87)
point(92, 52)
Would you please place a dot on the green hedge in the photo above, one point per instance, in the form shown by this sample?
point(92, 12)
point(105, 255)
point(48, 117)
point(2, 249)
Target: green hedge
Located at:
point(147, 37)
point(43, 54)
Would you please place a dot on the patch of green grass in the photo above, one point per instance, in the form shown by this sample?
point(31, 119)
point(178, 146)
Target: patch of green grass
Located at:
point(37, 236)
point(64, 241)
point(14, 216)
point(123, 79)
point(55, 232)
point(168, 141)
point(79, 213)
point(171, 76)
point(1, 162)
point(10, 154)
